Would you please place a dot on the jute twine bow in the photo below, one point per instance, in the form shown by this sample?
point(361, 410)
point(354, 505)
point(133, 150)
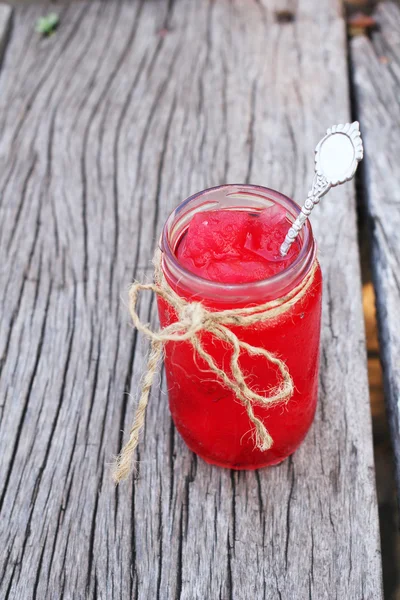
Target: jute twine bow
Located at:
point(193, 319)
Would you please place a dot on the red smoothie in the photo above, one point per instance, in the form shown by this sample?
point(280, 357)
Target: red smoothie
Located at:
point(228, 257)
point(236, 246)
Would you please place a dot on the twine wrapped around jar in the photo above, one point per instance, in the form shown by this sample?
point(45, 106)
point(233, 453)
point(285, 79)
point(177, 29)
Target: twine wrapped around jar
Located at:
point(194, 318)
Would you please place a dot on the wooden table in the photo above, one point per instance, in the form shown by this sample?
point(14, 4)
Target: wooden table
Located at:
point(105, 127)
point(376, 67)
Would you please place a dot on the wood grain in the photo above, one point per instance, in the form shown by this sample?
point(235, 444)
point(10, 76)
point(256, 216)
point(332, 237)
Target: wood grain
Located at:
point(5, 27)
point(376, 68)
point(105, 127)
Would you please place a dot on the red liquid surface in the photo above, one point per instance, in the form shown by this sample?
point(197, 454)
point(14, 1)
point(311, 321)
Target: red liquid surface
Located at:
point(236, 247)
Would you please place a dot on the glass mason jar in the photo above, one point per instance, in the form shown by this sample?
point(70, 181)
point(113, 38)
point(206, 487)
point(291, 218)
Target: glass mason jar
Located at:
point(211, 420)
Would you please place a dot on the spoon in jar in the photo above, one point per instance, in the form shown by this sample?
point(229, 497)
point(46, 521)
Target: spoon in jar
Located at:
point(336, 159)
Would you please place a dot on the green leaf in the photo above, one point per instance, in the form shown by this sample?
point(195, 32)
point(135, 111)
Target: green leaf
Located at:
point(47, 25)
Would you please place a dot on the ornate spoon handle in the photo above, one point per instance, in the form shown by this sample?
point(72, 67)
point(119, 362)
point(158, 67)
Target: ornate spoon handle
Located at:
point(320, 187)
point(336, 159)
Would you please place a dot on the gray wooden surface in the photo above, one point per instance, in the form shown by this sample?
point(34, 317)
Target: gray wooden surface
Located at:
point(5, 26)
point(376, 68)
point(105, 127)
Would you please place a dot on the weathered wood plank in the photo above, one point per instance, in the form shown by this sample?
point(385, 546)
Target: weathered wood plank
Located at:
point(105, 127)
point(5, 26)
point(376, 69)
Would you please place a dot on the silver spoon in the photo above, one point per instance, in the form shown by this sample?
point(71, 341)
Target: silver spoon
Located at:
point(336, 159)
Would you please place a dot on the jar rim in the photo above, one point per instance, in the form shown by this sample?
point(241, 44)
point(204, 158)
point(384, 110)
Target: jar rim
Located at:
point(283, 281)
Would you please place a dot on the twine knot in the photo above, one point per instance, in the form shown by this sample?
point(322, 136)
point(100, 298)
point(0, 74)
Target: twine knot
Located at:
point(192, 319)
